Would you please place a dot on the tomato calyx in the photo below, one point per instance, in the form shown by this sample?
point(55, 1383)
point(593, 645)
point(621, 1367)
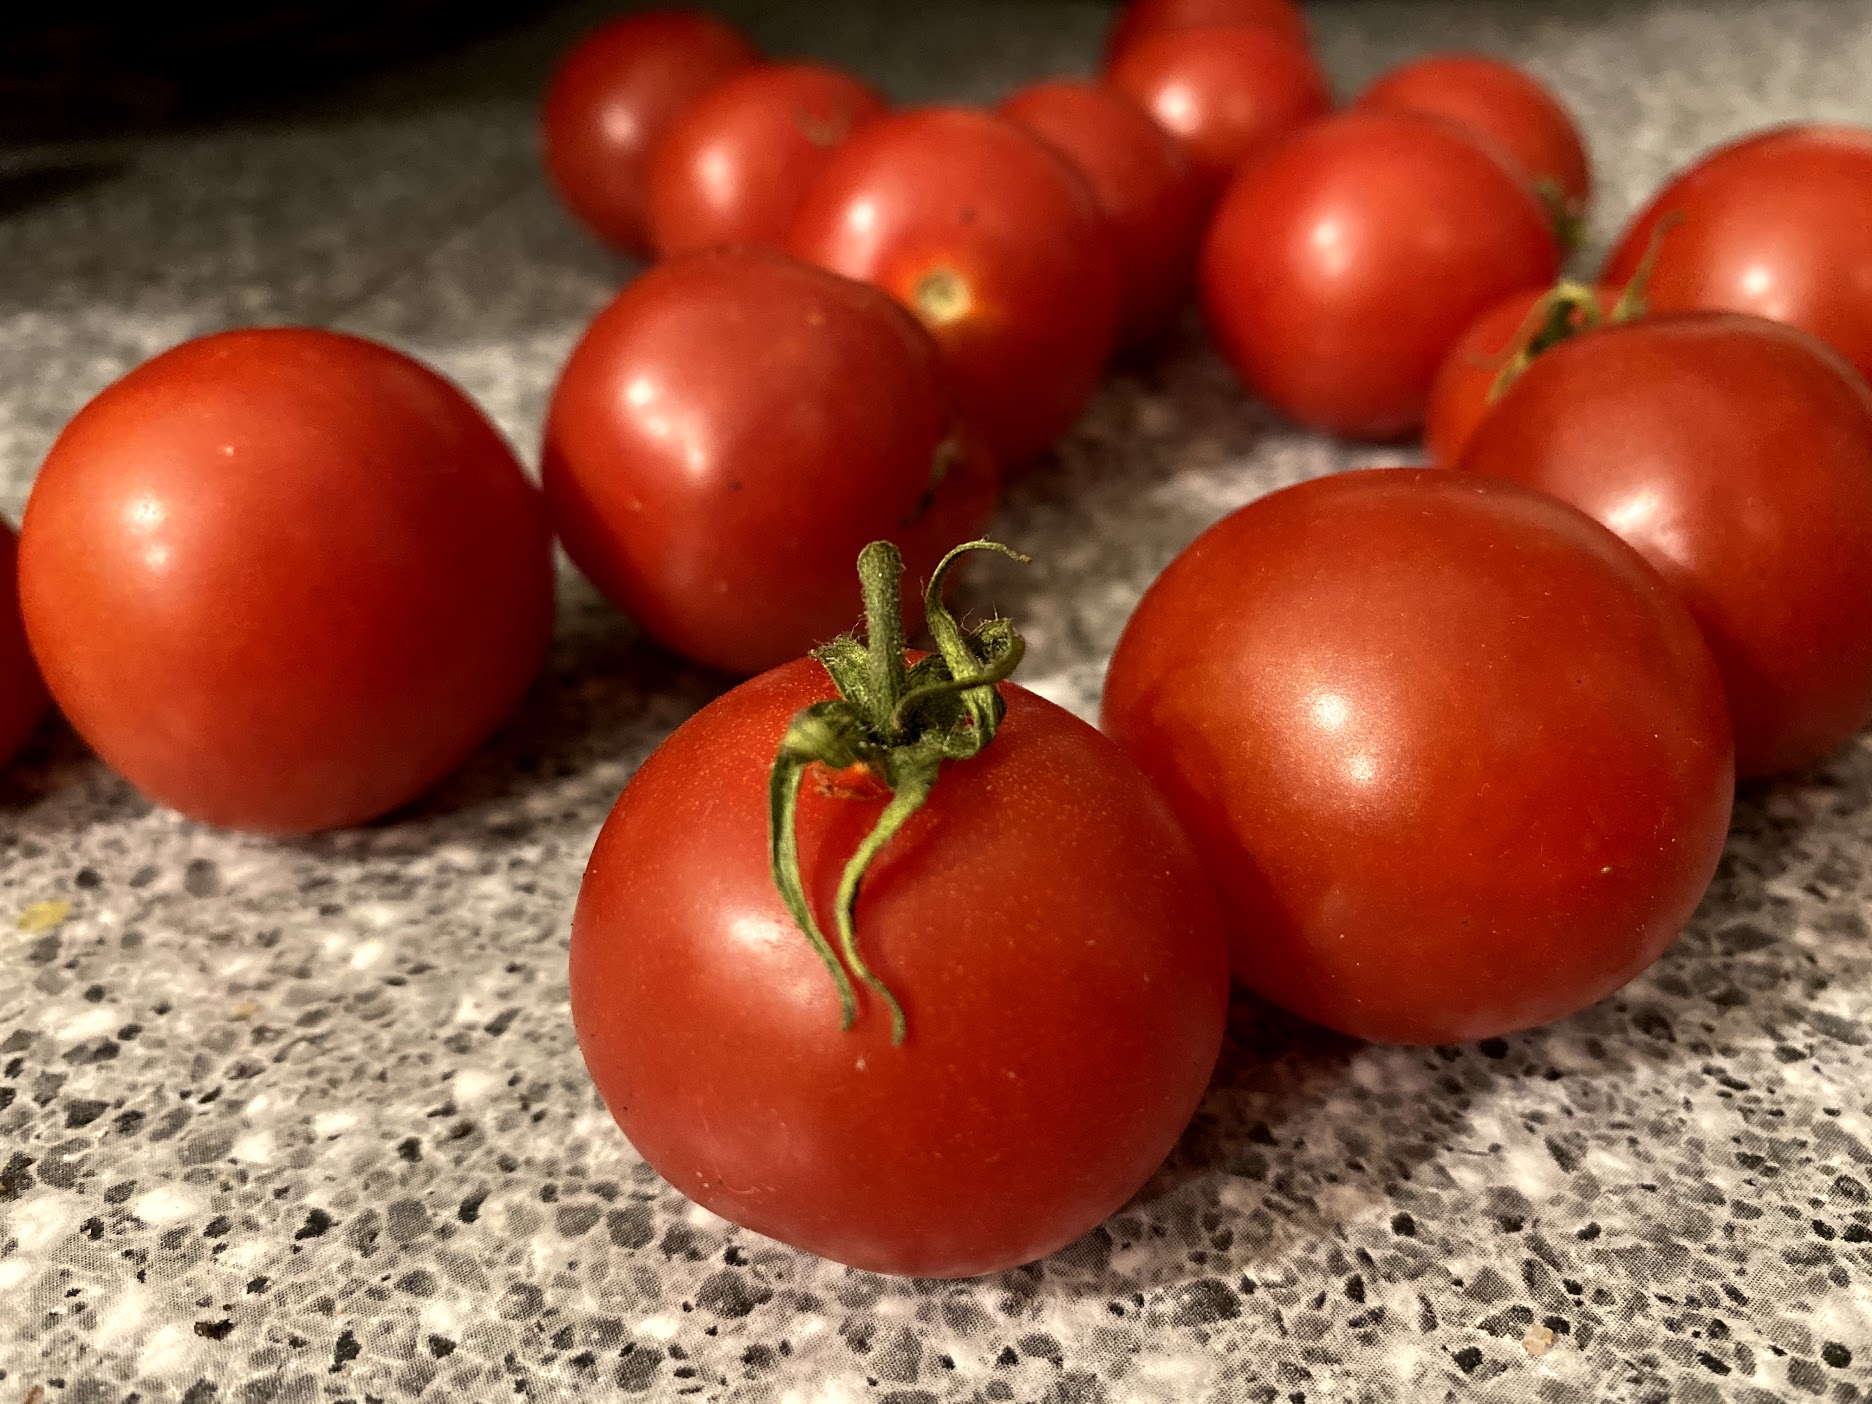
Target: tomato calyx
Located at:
point(1569, 308)
point(1568, 226)
point(900, 721)
point(1572, 307)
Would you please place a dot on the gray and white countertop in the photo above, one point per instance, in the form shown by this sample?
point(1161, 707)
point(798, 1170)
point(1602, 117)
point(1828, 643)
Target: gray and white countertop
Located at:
point(305, 1121)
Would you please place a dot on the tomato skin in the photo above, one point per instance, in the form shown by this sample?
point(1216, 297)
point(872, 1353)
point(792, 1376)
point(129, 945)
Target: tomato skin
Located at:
point(1459, 396)
point(1346, 262)
point(1505, 103)
point(23, 699)
point(735, 164)
point(1457, 759)
point(720, 499)
point(1736, 455)
point(1142, 18)
point(612, 99)
point(996, 243)
point(1771, 225)
point(284, 579)
point(1225, 93)
point(1043, 920)
point(1144, 183)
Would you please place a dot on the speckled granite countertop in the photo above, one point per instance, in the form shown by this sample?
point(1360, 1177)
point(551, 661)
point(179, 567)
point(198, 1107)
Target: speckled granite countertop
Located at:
point(301, 1122)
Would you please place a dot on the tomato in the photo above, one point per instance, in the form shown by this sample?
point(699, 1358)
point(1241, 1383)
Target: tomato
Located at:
point(731, 431)
point(1225, 93)
point(1505, 103)
point(735, 164)
point(22, 692)
point(996, 243)
point(1736, 455)
point(1141, 18)
point(284, 579)
point(1773, 225)
point(1147, 188)
point(1456, 757)
point(1342, 267)
point(1465, 383)
point(1041, 920)
point(611, 101)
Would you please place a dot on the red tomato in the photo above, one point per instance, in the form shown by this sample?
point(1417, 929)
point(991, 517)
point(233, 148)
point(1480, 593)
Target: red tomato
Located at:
point(729, 434)
point(1773, 225)
point(1341, 269)
point(1456, 757)
point(611, 101)
point(1146, 186)
point(284, 579)
point(1225, 93)
point(1042, 919)
point(1505, 103)
point(734, 166)
point(22, 692)
point(1142, 18)
point(1736, 455)
point(996, 243)
point(1465, 383)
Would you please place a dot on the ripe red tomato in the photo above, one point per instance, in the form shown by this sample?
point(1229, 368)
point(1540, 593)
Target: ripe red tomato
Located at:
point(718, 496)
point(1772, 225)
point(999, 247)
point(1340, 270)
point(1464, 386)
point(611, 101)
point(1505, 103)
point(22, 692)
point(1045, 925)
point(1736, 455)
point(735, 164)
point(1456, 757)
point(284, 579)
point(1141, 18)
point(1145, 185)
point(1226, 93)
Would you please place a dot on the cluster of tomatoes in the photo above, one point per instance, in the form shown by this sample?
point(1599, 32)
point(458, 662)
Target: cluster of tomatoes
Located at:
point(879, 953)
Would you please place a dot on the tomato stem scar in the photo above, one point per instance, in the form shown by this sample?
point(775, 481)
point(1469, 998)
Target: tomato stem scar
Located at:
point(902, 722)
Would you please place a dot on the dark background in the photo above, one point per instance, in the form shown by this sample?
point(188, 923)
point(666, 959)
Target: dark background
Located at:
point(95, 68)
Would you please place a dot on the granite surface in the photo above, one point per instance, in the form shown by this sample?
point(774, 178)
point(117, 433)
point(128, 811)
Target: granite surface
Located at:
point(305, 1121)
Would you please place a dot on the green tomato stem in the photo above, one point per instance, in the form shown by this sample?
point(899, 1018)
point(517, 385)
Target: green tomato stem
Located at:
point(902, 722)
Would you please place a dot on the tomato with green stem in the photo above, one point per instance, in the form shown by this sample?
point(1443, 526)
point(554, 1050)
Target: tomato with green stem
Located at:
point(1735, 454)
point(1498, 345)
point(1023, 999)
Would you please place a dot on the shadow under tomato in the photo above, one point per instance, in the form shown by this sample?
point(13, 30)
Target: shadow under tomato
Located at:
point(604, 700)
point(1309, 1142)
point(56, 785)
